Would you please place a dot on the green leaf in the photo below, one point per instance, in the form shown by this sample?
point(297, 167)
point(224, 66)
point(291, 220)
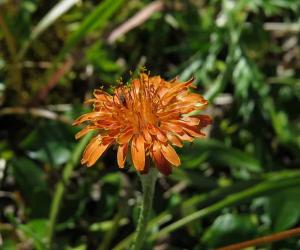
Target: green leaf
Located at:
point(51, 152)
point(56, 146)
point(96, 20)
point(35, 230)
point(230, 228)
point(32, 184)
point(9, 244)
point(29, 176)
point(284, 209)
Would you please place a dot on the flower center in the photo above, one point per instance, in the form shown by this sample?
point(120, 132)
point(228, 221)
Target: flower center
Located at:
point(138, 107)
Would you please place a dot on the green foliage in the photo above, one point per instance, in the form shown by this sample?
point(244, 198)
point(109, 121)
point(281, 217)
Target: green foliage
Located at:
point(284, 209)
point(228, 228)
point(241, 181)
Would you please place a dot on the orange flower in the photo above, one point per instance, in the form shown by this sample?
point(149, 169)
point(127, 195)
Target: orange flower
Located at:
point(146, 118)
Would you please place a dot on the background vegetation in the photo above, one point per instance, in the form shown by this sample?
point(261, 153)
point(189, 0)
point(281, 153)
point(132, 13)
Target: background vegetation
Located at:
point(241, 182)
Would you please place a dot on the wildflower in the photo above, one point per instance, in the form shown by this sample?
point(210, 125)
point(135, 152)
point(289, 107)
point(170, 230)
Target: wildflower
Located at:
point(146, 118)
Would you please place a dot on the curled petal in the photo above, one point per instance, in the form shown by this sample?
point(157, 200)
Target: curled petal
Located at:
point(169, 126)
point(94, 150)
point(155, 80)
point(184, 137)
point(138, 152)
point(175, 89)
point(96, 154)
point(125, 137)
point(86, 117)
point(101, 95)
point(161, 163)
point(85, 131)
point(193, 98)
point(90, 148)
point(194, 133)
point(170, 154)
point(192, 121)
point(174, 140)
point(158, 133)
point(161, 136)
point(205, 120)
point(122, 153)
point(147, 136)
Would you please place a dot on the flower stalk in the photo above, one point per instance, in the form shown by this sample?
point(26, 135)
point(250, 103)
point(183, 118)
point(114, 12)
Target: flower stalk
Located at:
point(148, 183)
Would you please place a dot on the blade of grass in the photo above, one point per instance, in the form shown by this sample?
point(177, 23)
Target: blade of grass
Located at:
point(9, 39)
point(234, 199)
point(61, 185)
point(208, 198)
point(96, 20)
point(55, 13)
point(15, 75)
point(196, 200)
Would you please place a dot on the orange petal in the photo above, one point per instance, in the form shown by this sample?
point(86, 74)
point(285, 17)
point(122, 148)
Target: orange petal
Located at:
point(100, 149)
point(122, 153)
point(193, 98)
point(125, 137)
point(170, 154)
point(184, 137)
point(90, 148)
point(165, 116)
point(95, 149)
point(176, 88)
point(138, 152)
point(204, 120)
point(160, 136)
point(174, 140)
point(193, 131)
point(85, 117)
point(158, 133)
point(84, 131)
point(147, 136)
point(161, 163)
point(169, 126)
point(192, 121)
point(101, 95)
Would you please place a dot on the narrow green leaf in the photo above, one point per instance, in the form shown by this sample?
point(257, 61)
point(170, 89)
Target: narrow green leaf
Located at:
point(55, 13)
point(96, 20)
point(258, 190)
point(276, 181)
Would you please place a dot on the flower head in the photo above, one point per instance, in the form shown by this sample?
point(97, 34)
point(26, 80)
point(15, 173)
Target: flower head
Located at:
point(146, 118)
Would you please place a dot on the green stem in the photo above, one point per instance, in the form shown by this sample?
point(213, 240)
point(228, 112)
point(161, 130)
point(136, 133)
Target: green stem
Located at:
point(148, 183)
point(214, 197)
point(256, 191)
point(61, 185)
